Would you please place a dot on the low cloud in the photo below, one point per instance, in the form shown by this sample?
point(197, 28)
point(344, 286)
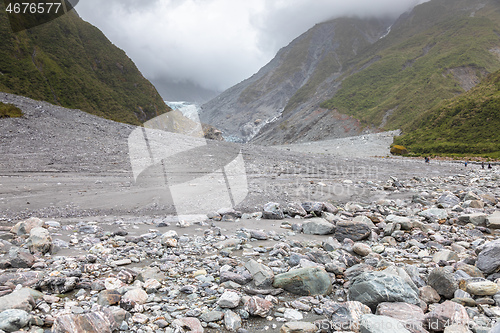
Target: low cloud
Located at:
point(216, 43)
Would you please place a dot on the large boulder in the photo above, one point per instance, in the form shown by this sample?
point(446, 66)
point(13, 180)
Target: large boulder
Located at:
point(22, 300)
point(39, 240)
point(443, 281)
point(13, 320)
point(488, 260)
point(318, 226)
point(263, 276)
point(373, 288)
point(273, 211)
point(355, 231)
point(92, 322)
point(25, 227)
point(305, 281)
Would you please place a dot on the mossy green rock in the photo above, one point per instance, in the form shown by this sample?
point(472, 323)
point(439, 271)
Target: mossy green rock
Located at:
point(398, 150)
point(305, 281)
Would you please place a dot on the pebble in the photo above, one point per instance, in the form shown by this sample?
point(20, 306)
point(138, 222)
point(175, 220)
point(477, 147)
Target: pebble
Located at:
point(396, 258)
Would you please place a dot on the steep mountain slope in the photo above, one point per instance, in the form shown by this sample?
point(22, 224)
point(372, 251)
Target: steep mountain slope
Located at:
point(71, 63)
point(467, 124)
point(439, 50)
point(301, 74)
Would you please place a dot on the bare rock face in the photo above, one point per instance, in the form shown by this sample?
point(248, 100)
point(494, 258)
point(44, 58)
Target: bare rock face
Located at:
point(92, 322)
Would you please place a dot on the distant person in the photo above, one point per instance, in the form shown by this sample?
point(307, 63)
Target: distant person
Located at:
point(482, 165)
point(466, 164)
point(489, 166)
point(427, 159)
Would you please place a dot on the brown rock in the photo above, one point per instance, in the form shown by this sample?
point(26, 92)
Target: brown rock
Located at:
point(191, 325)
point(257, 306)
point(429, 295)
point(446, 314)
point(92, 322)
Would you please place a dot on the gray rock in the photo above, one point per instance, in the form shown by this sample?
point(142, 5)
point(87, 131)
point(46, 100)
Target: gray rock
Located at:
point(229, 299)
point(318, 226)
point(232, 321)
point(443, 281)
point(19, 258)
point(14, 320)
point(448, 199)
point(373, 288)
point(262, 275)
point(478, 219)
point(488, 260)
point(493, 220)
point(39, 240)
point(352, 230)
point(21, 300)
point(405, 222)
point(331, 244)
point(212, 316)
point(273, 211)
point(295, 209)
point(445, 255)
point(381, 324)
point(434, 214)
point(240, 278)
point(305, 281)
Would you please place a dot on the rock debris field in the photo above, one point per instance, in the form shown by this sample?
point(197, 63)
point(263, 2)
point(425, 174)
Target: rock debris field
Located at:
point(322, 242)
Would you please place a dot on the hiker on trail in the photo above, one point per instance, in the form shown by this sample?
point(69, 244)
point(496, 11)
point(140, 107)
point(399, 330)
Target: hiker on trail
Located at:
point(427, 160)
point(466, 164)
point(482, 165)
point(489, 166)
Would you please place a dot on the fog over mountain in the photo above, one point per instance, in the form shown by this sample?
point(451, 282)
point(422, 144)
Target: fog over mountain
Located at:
point(214, 44)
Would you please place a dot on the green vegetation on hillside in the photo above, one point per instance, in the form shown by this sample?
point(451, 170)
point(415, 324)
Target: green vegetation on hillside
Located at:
point(412, 69)
point(9, 111)
point(71, 63)
point(465, 125)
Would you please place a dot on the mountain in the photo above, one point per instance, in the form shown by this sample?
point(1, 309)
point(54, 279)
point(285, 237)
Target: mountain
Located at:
point(467, 124)
point(177, 91)
point(302, 75)
point(351, 75)
point(69, 62)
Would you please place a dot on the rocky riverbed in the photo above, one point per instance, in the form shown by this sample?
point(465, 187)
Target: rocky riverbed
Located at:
point(321, 243)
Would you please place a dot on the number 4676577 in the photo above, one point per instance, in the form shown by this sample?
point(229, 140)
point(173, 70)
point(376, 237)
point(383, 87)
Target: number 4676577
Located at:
point(33, 8)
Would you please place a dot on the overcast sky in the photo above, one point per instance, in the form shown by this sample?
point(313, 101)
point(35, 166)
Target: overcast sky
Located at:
point(216, 43)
